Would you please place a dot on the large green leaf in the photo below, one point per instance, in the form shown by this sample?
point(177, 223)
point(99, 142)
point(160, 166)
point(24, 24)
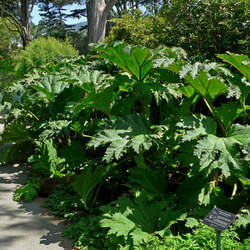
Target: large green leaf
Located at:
point(74, 156)
point(16, 132)
point(189, 190)
point(98, 92)
point(201, 79)
point(121, 134)
point(46, 161)
point(173, 52)
point(123, 105)
point(192, 127)
point(172, 59)
point(50, 86)
point(118, 224)
point(188, 90)
point(153, 182)
point(139, 218)
point(223, 152)
point(88, 79)
point(86, 182)
point(16, 92)
point(243, 219)
point(65, 102)
point(135, 60)
point(226, 117)
point(195, 191)
point(238, 87)
point(100, 101)
point(165, 92)
point(53, 128)
point(240, 62)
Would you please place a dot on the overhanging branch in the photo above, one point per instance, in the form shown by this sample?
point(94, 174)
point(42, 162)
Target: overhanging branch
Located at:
point(6, 12)
point(8, 26)
point(109, 5)
point(32, 5)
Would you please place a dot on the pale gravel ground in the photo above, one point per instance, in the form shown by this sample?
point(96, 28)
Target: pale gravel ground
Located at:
point(26, 226)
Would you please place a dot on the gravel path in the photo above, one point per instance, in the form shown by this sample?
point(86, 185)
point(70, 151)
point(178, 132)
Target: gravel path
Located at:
point(26, 226)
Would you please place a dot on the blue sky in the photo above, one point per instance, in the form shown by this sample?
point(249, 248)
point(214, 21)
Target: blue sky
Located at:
point(36, 16)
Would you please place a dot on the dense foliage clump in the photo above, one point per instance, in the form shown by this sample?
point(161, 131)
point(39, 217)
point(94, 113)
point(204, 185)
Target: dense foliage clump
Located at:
point(142, 141)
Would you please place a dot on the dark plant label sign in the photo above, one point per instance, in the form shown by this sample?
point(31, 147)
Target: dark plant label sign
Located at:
point(219, 219)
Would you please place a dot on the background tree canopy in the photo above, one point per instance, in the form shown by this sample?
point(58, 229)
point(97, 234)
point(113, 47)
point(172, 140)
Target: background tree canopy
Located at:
point(203, 28)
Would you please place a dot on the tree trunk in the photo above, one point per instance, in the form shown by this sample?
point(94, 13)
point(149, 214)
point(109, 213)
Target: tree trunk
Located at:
point(60, 16)
point(108, 25)
point(97, 14)
point(25, 19)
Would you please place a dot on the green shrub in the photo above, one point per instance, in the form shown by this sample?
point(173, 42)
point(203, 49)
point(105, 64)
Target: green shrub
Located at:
point(64, 202)
point(28, 192)
point(202, 28)
point(205, 28)
point(135, 29)
point(203, 237)
point(87, 234)
point(41, 51)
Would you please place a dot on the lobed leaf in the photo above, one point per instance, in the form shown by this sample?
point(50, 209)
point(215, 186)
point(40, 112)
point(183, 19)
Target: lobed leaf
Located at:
point(50, 86)
point(131, 131)
point(240, 62)
point(16, 132)
point(222, 152)
point(195, 126)
point(136, 60)
point(86, 182)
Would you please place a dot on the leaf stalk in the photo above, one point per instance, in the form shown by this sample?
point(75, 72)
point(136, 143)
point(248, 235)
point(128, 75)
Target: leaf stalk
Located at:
point(211, 109)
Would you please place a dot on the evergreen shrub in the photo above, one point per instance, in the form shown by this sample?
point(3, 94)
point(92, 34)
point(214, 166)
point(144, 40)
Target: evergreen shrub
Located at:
point(202, 28)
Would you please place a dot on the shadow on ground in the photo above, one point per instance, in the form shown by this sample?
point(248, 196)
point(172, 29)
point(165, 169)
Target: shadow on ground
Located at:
point(14, 174)
point(26, 225)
